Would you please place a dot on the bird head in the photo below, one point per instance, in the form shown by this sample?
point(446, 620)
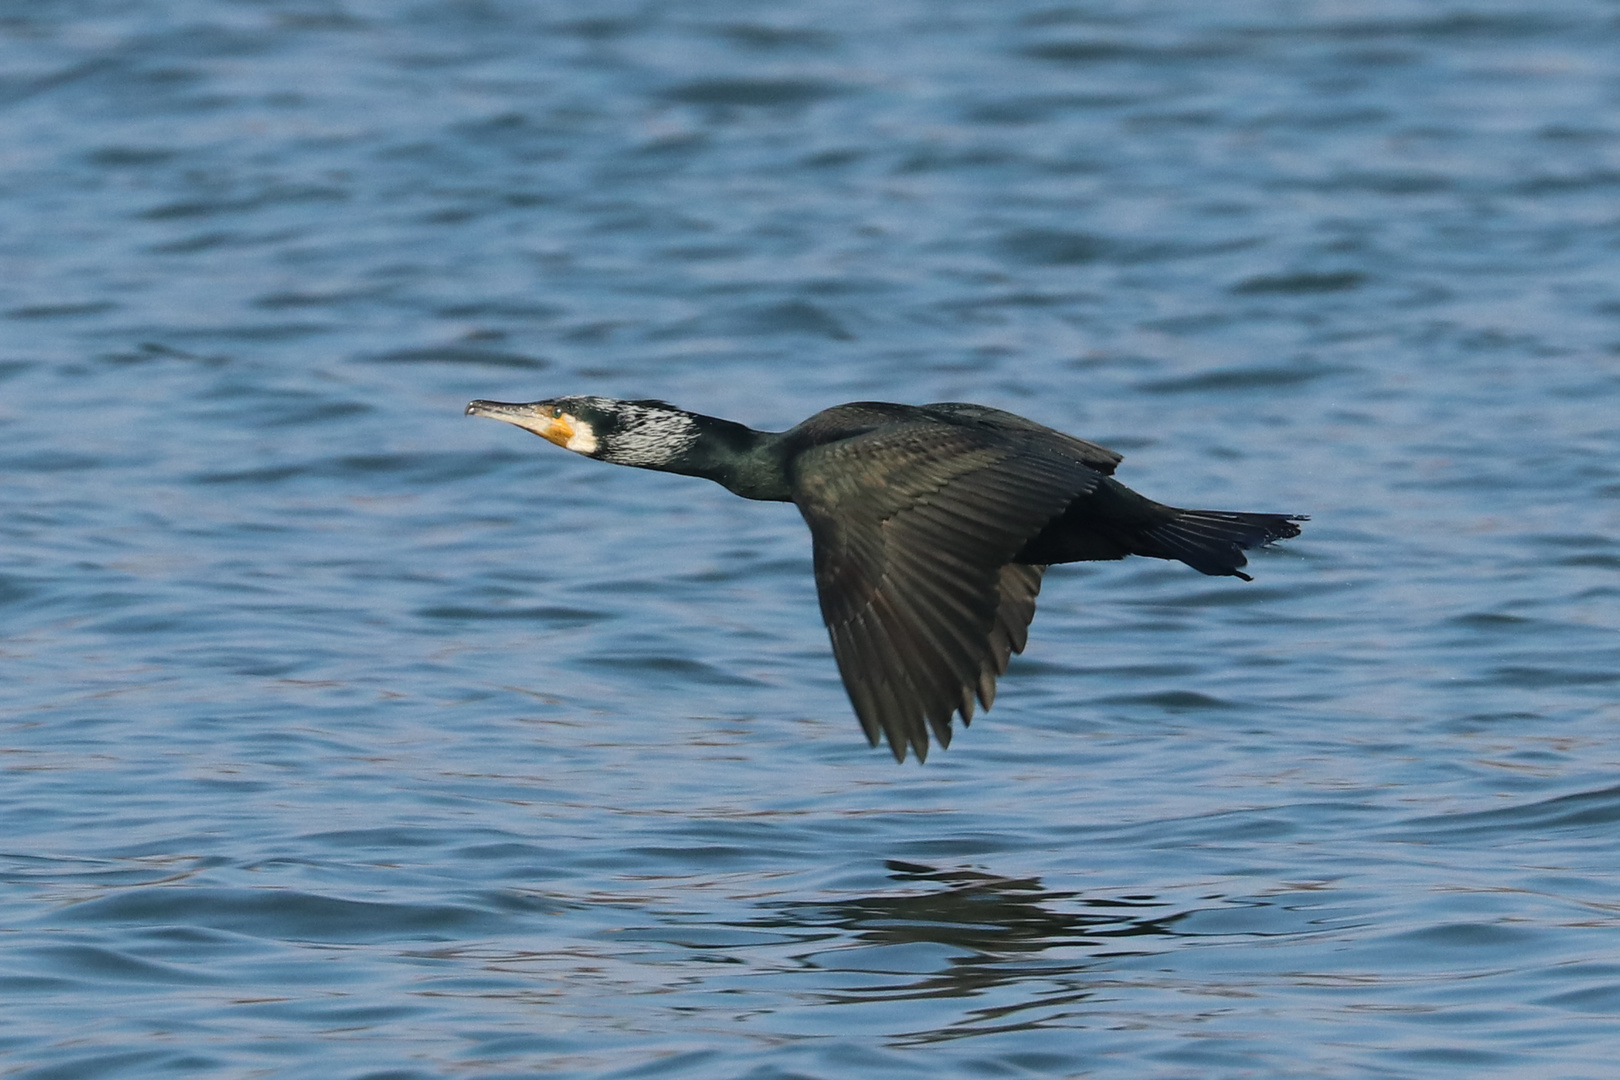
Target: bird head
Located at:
point(645, 433)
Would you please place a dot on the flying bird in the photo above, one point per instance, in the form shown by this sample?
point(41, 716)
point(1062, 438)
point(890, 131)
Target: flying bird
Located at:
point(931, 527)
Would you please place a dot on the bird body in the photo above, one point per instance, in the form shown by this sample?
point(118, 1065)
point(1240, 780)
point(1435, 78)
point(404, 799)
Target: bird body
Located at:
point(931, 527)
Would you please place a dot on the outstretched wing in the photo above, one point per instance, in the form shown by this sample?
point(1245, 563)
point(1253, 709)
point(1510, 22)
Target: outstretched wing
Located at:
point(1098, 457)
point(914, 526)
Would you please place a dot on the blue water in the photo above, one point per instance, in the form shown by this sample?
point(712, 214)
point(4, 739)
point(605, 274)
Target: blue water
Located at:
point(344, 736)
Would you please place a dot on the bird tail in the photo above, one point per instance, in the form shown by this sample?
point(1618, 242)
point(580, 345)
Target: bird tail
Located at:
point(1212, 541)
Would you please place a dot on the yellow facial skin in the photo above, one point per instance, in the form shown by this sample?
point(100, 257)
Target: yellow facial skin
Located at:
point(558, 429)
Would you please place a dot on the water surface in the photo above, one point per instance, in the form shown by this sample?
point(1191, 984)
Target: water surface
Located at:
point(347, 737)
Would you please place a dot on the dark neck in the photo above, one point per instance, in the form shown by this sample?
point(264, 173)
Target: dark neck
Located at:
point(744, 461)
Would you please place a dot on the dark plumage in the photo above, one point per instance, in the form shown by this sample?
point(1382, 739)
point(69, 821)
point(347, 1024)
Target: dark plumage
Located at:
point(931, 526)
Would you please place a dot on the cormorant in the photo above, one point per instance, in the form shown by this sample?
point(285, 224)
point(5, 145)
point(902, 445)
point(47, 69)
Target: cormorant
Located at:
point(931, 527)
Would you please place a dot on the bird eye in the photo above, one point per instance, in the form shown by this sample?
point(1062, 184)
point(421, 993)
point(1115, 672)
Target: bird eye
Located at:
point(556, 411)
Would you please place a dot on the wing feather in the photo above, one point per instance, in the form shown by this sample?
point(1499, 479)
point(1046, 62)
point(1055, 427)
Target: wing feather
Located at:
point(915, 525)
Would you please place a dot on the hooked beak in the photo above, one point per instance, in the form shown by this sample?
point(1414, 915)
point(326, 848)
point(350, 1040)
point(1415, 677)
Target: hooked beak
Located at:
point(534, 416)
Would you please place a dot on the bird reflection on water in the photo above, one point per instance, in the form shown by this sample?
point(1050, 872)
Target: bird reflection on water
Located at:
point(997, 932)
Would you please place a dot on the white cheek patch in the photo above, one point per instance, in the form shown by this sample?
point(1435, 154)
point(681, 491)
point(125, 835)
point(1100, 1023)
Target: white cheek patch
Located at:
point(583, 440)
